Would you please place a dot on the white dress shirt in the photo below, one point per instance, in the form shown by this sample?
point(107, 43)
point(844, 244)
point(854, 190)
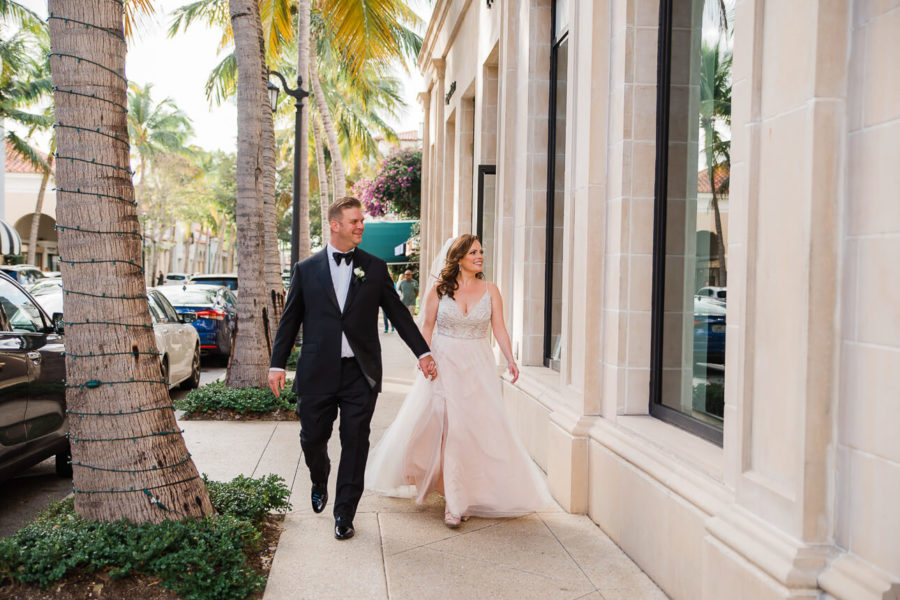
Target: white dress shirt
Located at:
point(340, 278)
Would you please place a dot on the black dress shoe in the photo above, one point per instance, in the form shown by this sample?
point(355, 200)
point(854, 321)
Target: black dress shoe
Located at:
point(343, 528)
point(319, 497)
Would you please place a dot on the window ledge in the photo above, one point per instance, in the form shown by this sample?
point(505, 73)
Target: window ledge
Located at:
point(684, 446)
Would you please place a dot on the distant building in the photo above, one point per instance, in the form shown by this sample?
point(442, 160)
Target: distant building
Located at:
point(22, 183)
point(405, 139)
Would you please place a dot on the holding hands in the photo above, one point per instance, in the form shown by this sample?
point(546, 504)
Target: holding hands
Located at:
point(428, 367)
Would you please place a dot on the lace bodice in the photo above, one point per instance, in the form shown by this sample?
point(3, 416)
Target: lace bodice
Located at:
point(453, 323)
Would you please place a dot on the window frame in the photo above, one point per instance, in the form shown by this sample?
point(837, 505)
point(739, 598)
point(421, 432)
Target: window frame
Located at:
point(657, 309)
point(555, 44)
point(482, 171)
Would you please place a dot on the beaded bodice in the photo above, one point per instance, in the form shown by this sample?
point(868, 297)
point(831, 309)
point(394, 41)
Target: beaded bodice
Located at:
point(453, 323)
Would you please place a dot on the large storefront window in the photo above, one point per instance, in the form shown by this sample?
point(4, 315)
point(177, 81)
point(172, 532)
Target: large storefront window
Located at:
point(691, 220)
point(556, 168)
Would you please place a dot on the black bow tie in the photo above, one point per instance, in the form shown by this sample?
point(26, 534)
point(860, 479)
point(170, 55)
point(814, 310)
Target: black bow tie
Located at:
point(338, 256)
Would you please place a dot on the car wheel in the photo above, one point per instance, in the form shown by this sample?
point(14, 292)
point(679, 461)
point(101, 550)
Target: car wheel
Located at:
point(193, 382)
point(225, 349)
point(164, 367)
point(64, 463)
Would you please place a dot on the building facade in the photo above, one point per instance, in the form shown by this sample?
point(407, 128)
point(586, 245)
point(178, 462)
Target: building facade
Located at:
point(21, 187)
point(692, 210)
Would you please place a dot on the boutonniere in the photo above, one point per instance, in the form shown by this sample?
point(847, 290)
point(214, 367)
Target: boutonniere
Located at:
point(360, 274)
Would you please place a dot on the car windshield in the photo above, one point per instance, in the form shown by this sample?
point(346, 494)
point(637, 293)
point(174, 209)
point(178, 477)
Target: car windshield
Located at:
point(229, 282)
point(184, 297)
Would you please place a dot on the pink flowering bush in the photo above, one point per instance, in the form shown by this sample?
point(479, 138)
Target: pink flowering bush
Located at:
point(397, 188)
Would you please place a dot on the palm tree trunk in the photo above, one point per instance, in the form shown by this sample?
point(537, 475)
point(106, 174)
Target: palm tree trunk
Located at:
point(272, 265)
point(720, 242)
point(217, 262)
point(232, 244)
point(249, 362)
point(303, 59)
point(323, 182)
point(337, 163)
point(171, 265)
point(116, 453)
point(38, 207)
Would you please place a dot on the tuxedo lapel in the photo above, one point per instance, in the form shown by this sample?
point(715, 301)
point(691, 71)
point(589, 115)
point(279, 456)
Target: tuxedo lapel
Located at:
point(359, 261)
point(323, 270)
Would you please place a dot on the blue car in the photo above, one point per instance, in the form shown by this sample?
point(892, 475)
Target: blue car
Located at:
point(216, 309)
point(709, 331)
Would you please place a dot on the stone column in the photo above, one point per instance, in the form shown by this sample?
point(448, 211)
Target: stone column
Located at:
point(789, 106)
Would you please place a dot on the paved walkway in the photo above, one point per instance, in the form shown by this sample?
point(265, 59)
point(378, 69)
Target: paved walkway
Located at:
point(401, 551)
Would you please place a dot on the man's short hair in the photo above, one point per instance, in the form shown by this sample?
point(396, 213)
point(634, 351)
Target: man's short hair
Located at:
point(407, 272)
point(336, 210)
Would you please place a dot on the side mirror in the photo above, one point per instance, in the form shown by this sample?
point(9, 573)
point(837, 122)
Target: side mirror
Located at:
point(57, 322)
point(188, 317)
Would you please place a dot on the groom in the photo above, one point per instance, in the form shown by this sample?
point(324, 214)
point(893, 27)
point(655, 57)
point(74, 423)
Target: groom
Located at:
point(336, 294)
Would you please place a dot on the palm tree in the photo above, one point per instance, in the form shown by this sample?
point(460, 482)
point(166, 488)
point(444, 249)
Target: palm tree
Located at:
point(251, 350)
point(154, 128)
point(129, 458)
point(715, 113)
point(24, 81)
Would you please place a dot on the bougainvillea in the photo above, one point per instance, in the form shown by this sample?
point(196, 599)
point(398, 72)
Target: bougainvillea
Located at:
point(396, 189)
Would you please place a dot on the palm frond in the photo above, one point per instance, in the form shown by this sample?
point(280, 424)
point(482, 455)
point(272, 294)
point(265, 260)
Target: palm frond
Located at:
point(222, 81)
point(24, 17)
point(24, 149)
point(134, 10)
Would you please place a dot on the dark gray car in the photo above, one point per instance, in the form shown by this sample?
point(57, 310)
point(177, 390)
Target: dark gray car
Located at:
point(33, 422)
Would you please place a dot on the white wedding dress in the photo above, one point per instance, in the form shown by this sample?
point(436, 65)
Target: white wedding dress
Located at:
point(452, 435)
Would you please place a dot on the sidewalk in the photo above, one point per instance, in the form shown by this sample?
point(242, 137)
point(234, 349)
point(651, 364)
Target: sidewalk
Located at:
point(401, 551)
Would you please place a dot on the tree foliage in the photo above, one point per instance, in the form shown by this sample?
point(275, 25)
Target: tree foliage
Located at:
point(397, 188)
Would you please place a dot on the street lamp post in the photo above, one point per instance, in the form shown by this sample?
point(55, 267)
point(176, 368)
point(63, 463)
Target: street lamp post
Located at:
point(298, 94)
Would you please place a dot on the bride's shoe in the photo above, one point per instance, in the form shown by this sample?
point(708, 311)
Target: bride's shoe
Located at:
point(451, 520)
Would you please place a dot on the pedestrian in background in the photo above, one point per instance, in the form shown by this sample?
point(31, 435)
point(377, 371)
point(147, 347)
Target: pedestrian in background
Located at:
point(409, 290)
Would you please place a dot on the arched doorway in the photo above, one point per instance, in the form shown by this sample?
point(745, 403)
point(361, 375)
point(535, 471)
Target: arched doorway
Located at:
point(47, 255)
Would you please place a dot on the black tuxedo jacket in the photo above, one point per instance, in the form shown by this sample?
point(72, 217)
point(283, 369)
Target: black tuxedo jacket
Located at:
point(311, 301)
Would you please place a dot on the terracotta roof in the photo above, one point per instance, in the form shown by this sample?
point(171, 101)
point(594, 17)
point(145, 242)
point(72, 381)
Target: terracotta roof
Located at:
point(722, 173)
point(408, 136)
point(403, 136)
point(16, 163)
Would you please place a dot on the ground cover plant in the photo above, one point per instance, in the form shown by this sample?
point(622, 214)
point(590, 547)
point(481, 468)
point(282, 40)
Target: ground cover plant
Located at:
point(223, 556)
point(218, 401)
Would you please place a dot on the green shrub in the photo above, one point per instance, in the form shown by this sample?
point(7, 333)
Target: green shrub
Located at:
point(217, 395)
point(249, 499)
point(199, 559)
point(292, 360)
point(709, 398)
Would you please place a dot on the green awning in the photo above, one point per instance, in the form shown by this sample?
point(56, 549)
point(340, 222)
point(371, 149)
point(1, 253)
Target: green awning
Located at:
point(387, 240)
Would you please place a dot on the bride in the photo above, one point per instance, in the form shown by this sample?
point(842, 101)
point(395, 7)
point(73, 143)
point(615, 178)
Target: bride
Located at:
point(452, 435)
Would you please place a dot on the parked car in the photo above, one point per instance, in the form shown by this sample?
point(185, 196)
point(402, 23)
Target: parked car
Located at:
point(24, 274)
point(33, 421)
point(52, 274)
point(216, 309)
point(176, 340)
point(229, 280)
point(45, 283)
point(179, 278)
point(709, 332)
point(710, 291)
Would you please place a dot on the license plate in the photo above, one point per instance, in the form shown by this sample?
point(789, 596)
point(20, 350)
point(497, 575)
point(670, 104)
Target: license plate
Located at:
point(717, 328)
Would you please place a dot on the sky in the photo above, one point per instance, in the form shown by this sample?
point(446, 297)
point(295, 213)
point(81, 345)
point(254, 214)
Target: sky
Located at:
point(178, 68)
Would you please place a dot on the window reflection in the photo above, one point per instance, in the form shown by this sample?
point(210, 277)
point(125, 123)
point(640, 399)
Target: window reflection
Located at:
point(694, 307)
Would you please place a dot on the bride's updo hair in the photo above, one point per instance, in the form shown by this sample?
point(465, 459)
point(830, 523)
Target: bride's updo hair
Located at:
point(447, 283)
